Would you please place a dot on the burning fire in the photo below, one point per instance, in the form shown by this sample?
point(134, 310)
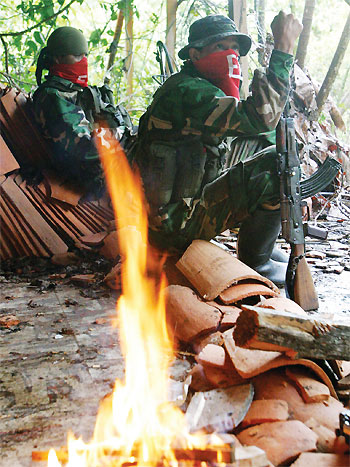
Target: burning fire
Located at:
point(136, 424)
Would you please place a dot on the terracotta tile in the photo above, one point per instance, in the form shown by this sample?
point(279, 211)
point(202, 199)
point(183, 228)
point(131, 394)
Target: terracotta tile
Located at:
point(18, 241)
point(47, 235)
point(187, 315)
point(264, 411)
point(7, 161)
point(248, 362)
point(199, 381)
point(282, 304)
point(83, 279)
point(230, 314)
point(238, 292)
point(310, 389)
point(326, 437)
point(223, 377)
point(95, 239)
point(317, 459)
point(60, 189)
point(274, 384)
point(282, 441)
point(19, 134)
point(110, 248)
point(219, 410)
point(211, 270)
point(214, 338)
point(113, 278)
point(212, 355)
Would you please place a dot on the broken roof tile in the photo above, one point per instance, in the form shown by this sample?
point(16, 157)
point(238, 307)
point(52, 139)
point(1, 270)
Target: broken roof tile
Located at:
point(211, 270)
point(237, 292)
point(282, 441)
point(187, 315)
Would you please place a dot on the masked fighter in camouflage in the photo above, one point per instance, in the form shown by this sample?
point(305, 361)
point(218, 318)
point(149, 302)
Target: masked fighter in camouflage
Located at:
point(67, 109)
point(181, 149)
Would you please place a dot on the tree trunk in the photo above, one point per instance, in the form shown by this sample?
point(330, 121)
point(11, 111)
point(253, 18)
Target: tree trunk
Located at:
point(114, 45)
point(305, 33)
point(171, 29)
point(259, 6)
point(334, 66)
point(129, 50)
point(240, 18)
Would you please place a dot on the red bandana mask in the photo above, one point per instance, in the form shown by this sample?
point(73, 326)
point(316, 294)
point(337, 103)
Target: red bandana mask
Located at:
point(223, 70)
point(76, 73)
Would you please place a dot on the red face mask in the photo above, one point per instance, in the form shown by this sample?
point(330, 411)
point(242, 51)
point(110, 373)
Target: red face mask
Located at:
point(76, 73)
point(223, 70)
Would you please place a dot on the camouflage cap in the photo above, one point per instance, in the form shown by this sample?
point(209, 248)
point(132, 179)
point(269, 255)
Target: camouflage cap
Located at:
point(212, 28)
point(67, 41)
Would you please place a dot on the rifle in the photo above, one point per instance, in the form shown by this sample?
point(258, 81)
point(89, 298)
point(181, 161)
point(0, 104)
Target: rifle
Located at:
point(299, 283)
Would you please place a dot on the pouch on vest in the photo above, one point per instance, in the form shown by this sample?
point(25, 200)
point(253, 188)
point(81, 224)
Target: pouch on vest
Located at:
point(215, 163)
point(191, 159)
point(160, 174)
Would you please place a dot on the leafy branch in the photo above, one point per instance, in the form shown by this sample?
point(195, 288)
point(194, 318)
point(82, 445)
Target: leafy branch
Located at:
point(45, 20)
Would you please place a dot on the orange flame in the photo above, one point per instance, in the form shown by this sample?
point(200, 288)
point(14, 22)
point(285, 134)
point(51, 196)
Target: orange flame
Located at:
point(137, 419)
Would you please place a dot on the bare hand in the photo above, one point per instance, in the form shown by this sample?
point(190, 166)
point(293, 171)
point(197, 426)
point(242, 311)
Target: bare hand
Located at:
point(285, 29)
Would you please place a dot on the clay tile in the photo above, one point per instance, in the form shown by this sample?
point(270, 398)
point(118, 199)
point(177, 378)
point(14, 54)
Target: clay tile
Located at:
point(263, 411)
point(318, 459)
point(310, 389)
point(62, 190)
point(238, 292)
point(274, 384)
point(212, 355)
point(7, 161)
point(211, 270)
point(95, 239)
point(187, 315)
point(249, 362)
point(282, 441)
point(110, 248)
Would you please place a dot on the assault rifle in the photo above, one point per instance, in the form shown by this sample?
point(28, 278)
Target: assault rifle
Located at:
point(299, 283)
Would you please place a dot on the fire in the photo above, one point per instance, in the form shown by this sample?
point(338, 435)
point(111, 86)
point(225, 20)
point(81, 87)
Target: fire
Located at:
point(136, 423)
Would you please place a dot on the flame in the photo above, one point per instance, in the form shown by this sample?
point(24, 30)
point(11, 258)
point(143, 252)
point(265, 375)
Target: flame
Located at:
point(136, 423)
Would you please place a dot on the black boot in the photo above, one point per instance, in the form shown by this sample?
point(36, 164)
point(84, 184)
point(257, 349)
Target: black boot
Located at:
point(256, 241)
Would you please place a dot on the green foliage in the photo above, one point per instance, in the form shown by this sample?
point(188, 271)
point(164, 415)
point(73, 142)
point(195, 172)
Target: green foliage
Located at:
point(26, 24)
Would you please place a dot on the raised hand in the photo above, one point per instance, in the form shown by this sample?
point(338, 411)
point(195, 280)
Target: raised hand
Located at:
point(285, 29)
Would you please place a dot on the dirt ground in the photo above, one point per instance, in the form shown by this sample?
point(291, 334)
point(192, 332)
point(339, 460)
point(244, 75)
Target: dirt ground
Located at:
point(61, 355)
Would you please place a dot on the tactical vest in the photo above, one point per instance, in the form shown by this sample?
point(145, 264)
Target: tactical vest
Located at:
point(97, 103)
point(175, 166)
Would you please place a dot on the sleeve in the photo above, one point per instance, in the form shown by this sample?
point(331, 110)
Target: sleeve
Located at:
point(212, 112)
point(67, 129)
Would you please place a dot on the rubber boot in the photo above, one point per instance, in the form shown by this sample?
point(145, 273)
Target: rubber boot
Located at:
point(256, 240)
point(279, 255)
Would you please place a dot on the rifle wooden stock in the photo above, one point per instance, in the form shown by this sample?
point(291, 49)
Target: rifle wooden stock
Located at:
point(305, 293)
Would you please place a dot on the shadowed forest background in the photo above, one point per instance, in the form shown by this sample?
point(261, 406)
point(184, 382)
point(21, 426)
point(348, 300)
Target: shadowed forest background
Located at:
point(123, 36)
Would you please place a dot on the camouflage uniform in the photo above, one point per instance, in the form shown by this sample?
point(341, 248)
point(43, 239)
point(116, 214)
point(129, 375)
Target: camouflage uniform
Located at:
point(181, 153)
point(66, 114)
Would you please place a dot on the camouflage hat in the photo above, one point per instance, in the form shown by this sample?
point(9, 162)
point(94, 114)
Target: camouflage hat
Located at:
point(67, 41)
point(212, 28)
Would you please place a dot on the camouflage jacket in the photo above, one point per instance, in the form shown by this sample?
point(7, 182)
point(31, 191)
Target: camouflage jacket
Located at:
point(66, 114)
point(191, 113)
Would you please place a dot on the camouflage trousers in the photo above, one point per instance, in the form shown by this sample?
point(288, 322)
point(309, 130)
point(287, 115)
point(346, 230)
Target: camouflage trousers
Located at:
point(227, 201)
